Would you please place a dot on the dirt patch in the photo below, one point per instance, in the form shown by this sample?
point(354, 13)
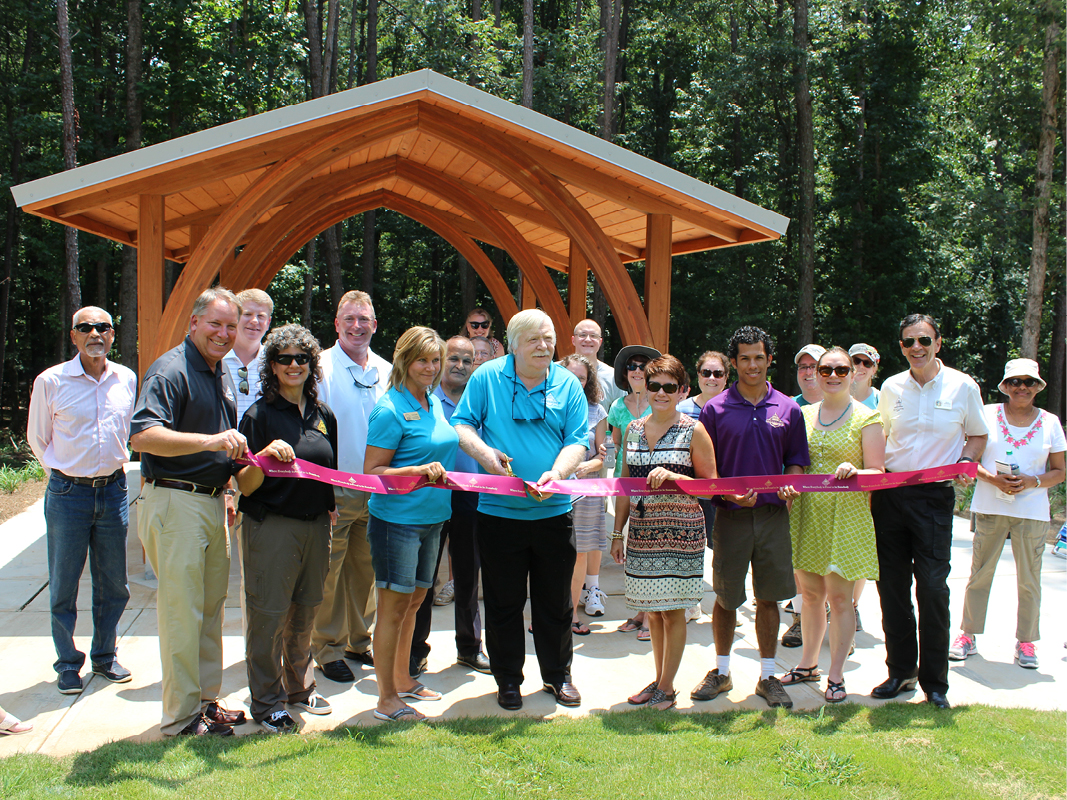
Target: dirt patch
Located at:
point(20, 499)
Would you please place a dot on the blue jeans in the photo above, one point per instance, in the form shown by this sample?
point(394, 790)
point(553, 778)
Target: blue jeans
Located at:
point(81, 520)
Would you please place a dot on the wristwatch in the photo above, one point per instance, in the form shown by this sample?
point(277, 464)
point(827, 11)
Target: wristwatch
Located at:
point(965, 458)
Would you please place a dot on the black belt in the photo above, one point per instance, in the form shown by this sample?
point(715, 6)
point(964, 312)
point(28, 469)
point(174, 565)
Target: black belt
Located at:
point(187, 486)
point(96, 483)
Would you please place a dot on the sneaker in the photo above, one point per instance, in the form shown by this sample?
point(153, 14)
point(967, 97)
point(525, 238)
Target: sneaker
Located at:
point(279, 722)
point(446, 595)
point(771, 690)
point(713, 685)
point(316, 704)
point(594, 603)
point(70, 682)
point(859, 625)
point(115, 672)
point(1025, 656)
point(792, 637)
point(963, 646)
point(693, 612)
point(583, 596)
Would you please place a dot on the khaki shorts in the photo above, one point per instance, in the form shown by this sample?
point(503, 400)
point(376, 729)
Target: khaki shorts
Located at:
point(756, 536)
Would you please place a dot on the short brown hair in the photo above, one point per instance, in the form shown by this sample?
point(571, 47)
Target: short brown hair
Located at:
point(720, 357)
point(667, 364)
point(357, 297)
point(215, 293)
point(411, 345)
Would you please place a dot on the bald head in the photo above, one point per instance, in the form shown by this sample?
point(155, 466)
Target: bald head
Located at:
point(587, 339)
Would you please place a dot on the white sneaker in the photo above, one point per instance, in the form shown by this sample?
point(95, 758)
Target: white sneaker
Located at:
point(594, 603)
point(583, 596)
point(316, 704)
point(446, 595)
point(693, 612)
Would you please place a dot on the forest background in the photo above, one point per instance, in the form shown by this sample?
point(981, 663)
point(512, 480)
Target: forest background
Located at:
point(915, 145)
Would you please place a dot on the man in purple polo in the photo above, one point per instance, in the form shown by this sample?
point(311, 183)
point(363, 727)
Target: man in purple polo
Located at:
point(756, 430)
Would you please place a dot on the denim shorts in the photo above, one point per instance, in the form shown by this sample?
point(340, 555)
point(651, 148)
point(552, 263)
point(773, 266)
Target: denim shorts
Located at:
point(403, 556)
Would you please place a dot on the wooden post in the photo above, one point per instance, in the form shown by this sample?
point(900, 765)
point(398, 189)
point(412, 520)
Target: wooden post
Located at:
point(577, 285)
point(527, 298)
point(149, 278)
point(658, 278)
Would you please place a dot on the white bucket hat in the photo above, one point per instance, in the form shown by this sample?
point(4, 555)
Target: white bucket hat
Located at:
point(1021, 368)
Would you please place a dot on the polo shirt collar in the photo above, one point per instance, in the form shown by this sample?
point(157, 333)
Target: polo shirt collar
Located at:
point(934, 380)
point(509, 370)
point(76, 368)
point(195, 360)
point(734, 395)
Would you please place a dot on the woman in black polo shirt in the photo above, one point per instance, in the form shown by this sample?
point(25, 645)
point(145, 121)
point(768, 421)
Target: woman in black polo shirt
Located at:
point(285, 534)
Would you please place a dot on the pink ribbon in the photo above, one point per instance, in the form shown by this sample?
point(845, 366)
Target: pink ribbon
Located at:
point(604, 487)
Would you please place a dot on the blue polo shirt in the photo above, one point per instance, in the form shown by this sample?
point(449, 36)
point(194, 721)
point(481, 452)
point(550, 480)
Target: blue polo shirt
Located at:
point(530, 426)
point(755, 440)
point(417, 436)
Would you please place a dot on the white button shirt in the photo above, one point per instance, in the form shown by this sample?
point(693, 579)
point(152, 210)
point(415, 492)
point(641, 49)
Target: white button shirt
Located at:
point(344, 388)
point(926, 426)
point(231, 362)
point(78, 425)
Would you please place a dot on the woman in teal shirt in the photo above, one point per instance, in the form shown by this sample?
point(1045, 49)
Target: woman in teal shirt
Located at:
point(407, 435)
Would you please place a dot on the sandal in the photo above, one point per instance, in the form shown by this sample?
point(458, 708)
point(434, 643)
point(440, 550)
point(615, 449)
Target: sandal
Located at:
point(801, 675)
point(629, 626)
point(577, 628)
point(835, 692)
point(659, 696)
point(13, 726)
point(649, 690)
point(644, 635)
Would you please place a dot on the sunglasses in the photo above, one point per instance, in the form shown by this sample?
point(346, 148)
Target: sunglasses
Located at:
point(99, 327)
point(484, 324)
point(925, 341)
point(633, 366)
point(862, 362)
point(826, 371)
point(712, 373)
point(242, 373)
point(288, 358)
point(1015, 383)
point(669, 388)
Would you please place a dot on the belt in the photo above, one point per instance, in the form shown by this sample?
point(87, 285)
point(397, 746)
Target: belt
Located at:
point(187, 486)
point(96, 483)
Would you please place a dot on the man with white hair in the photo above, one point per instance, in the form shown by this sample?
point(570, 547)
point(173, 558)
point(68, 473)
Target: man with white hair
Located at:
point(78, 428)
point(532, 417)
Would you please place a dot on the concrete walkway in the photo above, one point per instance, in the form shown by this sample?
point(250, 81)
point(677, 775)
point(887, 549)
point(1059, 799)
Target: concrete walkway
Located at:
point(608, 666)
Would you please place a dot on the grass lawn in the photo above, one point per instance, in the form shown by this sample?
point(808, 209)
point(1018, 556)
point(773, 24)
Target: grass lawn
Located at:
point(900, 750)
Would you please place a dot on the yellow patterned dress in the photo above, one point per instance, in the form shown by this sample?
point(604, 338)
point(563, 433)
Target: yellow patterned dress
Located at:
point(665, 546)
point(833, 531)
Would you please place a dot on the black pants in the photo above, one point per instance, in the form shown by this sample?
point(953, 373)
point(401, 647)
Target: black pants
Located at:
point(913, 528)
point(516, 552)
point(460, 532)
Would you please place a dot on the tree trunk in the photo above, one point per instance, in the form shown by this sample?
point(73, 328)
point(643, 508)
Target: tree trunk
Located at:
point(70, 149)
point(127, 328)
point(610, 11)
point(1057, 355)
point(1035, 287)
point(329, 56)
point(467, 285)
point(527, 53)
point(309, 284)
point(806, 164)
point(370, 240)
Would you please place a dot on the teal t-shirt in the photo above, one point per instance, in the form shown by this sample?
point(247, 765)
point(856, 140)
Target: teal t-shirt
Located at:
point(417, 436)
point(619, 416)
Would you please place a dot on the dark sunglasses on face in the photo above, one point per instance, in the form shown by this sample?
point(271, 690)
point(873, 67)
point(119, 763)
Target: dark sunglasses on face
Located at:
point(862, 362)
point(633, 366)
point(99, 327)
point(669, 388)
point(925, 341)
point(826, 371)
point(288, 358)
point(1015, 383)
point(484, 324)
point(712, 373)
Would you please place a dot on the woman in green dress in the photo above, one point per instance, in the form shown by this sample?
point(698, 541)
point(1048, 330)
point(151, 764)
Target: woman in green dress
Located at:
point(832, 532)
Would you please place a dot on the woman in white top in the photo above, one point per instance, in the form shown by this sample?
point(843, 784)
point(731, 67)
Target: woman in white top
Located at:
point(1023, 458)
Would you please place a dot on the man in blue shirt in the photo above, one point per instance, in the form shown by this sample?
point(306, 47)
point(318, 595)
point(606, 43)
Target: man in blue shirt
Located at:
point(532, 416)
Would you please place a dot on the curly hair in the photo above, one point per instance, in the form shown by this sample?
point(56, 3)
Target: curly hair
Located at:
point(667, 364)
point(593, 391)
point(750, 334)
point(282, 338)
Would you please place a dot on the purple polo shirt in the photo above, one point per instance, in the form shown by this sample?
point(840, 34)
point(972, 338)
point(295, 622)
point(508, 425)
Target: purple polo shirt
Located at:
point(755, 440)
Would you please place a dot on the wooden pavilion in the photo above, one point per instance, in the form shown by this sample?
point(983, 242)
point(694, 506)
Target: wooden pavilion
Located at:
point(235, 202)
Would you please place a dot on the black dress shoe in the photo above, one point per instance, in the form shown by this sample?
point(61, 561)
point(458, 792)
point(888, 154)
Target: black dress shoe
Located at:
point(338, 672)
point(893, 687)
point(508, 696)
point(566, 693)
point(938, 699)
point(417, 666)
point(478, 662)
point(366, 658)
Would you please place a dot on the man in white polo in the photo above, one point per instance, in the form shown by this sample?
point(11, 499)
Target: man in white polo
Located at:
point(245, 361)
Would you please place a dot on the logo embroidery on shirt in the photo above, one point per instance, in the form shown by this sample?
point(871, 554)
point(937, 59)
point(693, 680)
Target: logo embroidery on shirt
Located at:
point(321, 427)
point(775, 421)
point(898, 405)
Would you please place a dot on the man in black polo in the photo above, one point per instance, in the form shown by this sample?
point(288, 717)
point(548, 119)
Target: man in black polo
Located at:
point(184, 425)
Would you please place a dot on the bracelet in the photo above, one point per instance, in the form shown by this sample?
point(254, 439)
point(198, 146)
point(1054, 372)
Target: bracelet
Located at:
point(616, 535)
point(1037, 485)
point(965, 458)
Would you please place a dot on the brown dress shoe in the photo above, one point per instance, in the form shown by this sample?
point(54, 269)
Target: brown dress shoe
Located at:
point(216, 713)
point(566, 693)
point(202, 726)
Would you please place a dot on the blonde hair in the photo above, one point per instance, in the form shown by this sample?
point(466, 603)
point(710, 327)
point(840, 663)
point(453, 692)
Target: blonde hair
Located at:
point(357, 297)
point(257, 296)
point(410, 347)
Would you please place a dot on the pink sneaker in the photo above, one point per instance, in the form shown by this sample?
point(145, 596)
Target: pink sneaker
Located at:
point(961, 648)
point(1025, 656)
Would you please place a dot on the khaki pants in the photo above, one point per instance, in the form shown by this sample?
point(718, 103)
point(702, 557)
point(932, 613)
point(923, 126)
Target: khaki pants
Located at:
point(1028, 547)
point(346, 615)
point(185, 540)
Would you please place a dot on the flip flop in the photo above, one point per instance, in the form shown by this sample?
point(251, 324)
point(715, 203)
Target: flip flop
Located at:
point(11, 725)
point(576, 629)
point(644, 635)
point(629, 626)
point(419, 692)
point(399, 714)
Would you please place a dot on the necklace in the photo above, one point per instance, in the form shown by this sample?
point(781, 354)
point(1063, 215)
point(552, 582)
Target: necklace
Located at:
point(818, 415)
point(1030, 434)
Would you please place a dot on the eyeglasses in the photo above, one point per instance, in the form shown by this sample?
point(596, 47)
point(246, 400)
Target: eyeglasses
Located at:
point(242, 373)
point(826, 371)
point(862, 362)
point(363, 385)
point(655, 386)
point(593, 336)
point(1015, 383)
point(285, 359)
point(528, 410)
point(99, 327)
point(925, 341)
point(482, 324)
point(634, 366)
point(805, 367)
point(712, 373)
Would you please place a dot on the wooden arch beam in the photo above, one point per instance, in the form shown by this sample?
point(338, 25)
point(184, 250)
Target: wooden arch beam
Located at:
point(509, 158)
point(264, 194)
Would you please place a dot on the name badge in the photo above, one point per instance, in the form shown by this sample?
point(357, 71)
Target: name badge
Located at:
point(945, 405)
point(412, 416)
